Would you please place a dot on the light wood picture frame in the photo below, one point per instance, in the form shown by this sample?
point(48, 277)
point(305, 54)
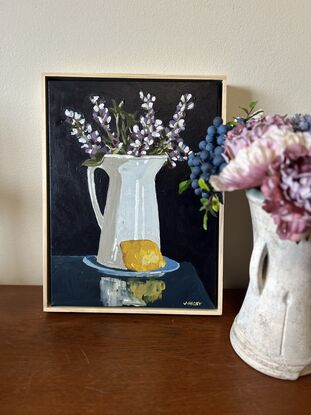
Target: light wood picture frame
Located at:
point(78, 273)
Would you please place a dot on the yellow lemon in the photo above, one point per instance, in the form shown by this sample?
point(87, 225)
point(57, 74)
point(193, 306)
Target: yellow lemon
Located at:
point(141, 255)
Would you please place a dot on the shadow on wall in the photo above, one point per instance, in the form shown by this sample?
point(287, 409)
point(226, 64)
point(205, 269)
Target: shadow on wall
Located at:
point(238, 241)
point(10, 212)
point(238, 229)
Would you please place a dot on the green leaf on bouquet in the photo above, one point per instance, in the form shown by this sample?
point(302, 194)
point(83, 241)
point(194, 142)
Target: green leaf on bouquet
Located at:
point(205, 220)
point(95, 161)
point(215, 204)
point(203, 184)
point(212, 212)
point(183, 186)
point(204, 202)
point(252, 104)
point(244, 109)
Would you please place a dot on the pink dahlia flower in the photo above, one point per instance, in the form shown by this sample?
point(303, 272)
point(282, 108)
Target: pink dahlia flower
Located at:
point(287, 188)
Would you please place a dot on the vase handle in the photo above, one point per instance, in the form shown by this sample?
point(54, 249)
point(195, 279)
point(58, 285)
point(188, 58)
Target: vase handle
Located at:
point(92, 192)
point(256, 268)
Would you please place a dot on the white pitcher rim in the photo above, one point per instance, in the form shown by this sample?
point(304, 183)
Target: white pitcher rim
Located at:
point(130, 157)
point(255, 195)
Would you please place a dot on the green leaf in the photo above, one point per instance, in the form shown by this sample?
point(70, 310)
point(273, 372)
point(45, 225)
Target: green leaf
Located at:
point(204, 201)
point(130, 120)
point(215, 204)
point(252, 104)
point(203, 184)
point(244, 109)
point(232, 123)
point(183, 186)
point(95, 161)
point(212, 212)
point(205, 220)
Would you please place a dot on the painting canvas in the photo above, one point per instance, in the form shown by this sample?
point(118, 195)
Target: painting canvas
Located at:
point(118, 234)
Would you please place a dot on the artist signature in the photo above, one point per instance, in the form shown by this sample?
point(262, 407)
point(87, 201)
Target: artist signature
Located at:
point(192, 303)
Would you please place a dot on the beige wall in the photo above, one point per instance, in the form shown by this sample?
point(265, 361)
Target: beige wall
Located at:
point(264, 48)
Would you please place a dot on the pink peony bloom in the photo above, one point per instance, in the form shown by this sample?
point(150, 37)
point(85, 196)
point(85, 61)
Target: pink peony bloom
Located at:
point(287, 188)
point(249, 166)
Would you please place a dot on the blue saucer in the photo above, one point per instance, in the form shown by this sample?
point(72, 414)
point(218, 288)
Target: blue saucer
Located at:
point(170, 266)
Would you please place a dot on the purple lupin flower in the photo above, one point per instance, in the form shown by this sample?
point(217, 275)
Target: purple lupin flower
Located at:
point(90, 140)
point(146, 135)
point(102, 116)
point(125, 135)
point(178, 150)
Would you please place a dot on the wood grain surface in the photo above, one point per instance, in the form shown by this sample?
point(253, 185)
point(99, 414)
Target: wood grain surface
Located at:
point(130, 364)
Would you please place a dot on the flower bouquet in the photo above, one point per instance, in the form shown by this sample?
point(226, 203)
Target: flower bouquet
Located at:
point(272, 154)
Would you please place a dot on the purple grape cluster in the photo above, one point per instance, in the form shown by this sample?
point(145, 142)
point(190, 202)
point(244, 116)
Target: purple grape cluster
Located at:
point(209, 160)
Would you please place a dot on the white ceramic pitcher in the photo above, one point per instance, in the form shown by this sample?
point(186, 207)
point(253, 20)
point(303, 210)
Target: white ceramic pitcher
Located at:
point(131, 210)
point(272, 331)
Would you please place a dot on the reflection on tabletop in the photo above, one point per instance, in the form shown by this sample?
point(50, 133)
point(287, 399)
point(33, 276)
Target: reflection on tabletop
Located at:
point(116, 292)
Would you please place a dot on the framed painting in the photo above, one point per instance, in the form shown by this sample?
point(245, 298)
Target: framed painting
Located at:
point(119, 236)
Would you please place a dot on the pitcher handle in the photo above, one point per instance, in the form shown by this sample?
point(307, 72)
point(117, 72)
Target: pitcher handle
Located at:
point(259, 254)
point(92, 192)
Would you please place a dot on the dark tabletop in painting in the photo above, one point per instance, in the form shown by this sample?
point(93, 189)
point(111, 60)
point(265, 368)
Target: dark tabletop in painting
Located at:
point(76, 284)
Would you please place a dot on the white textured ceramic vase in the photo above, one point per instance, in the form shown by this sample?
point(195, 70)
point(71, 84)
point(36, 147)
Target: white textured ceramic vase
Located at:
point(272, 332)
point(131, 210)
